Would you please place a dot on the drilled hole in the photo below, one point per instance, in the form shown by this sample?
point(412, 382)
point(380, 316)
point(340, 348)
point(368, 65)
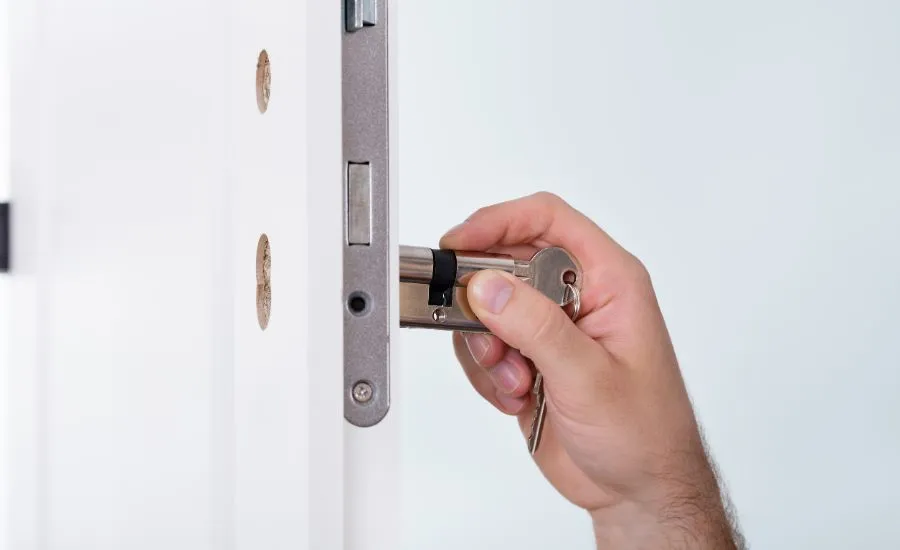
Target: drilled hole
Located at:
point(569, 277)
point(263, 81)
point(358, 303)
point(263, 281)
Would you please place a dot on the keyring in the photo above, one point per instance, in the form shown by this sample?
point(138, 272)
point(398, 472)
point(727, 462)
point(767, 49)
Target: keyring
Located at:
point(576, 301)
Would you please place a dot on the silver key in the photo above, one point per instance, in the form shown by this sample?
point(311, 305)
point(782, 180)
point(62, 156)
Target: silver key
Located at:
point(540, 401)
point(554, 272)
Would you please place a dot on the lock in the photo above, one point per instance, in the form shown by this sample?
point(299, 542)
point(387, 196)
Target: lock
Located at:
point(368, 260)
point(433, 283)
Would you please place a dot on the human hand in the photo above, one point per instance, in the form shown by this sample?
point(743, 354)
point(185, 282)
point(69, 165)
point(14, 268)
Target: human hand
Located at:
point(620, 438)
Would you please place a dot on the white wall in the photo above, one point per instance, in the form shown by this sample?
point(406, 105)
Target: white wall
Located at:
point(749, 153)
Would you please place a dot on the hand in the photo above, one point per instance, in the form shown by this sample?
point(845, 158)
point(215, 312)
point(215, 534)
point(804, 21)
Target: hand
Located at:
point(620, 438)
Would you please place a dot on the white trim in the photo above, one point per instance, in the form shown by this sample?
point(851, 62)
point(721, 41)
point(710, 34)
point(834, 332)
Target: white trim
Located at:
point(324, 242)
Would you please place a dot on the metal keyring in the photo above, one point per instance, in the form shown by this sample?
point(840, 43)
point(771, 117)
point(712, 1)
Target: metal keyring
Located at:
point(576, 301)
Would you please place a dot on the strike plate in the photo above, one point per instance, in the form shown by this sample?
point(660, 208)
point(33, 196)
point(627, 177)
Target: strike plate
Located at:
point(367, 281)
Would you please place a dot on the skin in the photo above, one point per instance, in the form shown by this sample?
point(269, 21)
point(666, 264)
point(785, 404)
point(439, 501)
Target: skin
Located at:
point(620, 440)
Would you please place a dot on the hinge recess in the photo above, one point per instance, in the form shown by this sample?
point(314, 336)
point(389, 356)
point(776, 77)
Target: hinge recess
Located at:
point(367, 245)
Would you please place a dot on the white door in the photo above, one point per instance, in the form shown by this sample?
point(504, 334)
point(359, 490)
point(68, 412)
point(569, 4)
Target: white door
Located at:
point(148, 407)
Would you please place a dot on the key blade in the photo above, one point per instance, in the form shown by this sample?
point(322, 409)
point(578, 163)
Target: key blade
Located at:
point(537, 428)
point(540, 411)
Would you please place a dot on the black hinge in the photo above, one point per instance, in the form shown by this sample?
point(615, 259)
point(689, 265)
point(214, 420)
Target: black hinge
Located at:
point(4, 237)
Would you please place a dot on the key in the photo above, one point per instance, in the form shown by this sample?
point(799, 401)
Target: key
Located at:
point(544, 268)
point(540, 412)
point(432, 283)
point(540, 402)
point(432, 295)
point(554, 272)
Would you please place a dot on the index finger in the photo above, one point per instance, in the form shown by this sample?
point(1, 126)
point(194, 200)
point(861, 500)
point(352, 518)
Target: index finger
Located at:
point(541, 220)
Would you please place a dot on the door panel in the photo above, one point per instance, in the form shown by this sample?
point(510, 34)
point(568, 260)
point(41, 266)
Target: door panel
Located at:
point(148, 407)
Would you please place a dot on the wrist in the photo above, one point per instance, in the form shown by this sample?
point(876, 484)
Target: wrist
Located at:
point(695, 520)
point(628, 525)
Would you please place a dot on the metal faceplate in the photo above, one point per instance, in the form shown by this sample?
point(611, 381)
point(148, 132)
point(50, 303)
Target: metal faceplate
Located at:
point(367, 265)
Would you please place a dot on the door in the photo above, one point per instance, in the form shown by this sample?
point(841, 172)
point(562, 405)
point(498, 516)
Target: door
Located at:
point(174, 374)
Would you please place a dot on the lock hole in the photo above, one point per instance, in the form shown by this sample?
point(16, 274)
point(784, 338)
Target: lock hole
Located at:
point(359, 303)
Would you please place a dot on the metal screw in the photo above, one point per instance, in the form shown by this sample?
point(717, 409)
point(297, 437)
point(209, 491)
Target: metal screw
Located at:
point(362, 392)
point(439, 315)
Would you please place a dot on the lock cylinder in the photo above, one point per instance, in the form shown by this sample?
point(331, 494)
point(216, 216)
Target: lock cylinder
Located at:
point(429, 266)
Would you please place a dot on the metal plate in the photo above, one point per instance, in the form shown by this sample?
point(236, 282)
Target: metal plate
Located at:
point(367, 280)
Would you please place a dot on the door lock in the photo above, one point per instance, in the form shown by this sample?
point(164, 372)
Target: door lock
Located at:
point(433, 283)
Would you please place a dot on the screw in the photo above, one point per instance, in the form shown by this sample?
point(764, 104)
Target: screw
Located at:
point(362, 392)
point(439, 315)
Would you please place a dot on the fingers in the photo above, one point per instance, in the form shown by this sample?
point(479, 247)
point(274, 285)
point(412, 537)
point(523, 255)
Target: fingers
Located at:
point(500, 375)
point(543, 220)
point(487, 350)
point(526, 320)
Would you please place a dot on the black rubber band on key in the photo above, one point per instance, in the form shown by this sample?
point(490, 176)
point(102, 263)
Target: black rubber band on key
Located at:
point(443, 278)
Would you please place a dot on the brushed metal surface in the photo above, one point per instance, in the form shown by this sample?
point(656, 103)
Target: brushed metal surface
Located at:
point(367, 268)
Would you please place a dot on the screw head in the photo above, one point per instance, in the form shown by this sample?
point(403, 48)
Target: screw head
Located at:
point(362, 392)
point(439, 315)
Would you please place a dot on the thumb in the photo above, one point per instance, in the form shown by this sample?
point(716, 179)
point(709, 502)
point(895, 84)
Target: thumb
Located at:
point(528, 321)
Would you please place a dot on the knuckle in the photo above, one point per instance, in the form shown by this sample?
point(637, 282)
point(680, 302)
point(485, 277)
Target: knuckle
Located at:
point(548, 198)
point(638, 273)
point(480, 213)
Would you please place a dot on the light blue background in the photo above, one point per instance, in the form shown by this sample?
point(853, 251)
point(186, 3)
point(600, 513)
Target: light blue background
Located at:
point(749, 154)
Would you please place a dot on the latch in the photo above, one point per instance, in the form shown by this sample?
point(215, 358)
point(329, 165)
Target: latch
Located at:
point(361, 13)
